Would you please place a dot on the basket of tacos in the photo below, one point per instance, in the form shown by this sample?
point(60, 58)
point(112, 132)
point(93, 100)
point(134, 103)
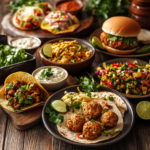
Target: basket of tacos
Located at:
point(21, 91)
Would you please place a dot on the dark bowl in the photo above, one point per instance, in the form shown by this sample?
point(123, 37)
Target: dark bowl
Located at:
point(75, 12)
point(27, 66)
point(70, 67)
point(123, 60)
point(128, 118)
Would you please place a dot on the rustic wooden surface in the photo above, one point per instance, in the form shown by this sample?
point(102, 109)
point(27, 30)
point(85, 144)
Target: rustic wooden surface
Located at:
point(38, 138)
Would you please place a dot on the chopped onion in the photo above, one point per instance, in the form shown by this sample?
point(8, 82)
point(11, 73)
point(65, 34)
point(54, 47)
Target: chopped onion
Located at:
point(139, 70)
point(81, 136)
point(142, 81)
point(144, 70)
point(97, 72)
point(136, 61)
point(134, 77)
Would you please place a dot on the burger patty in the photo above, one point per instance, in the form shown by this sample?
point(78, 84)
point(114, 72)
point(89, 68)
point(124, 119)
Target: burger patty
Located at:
point(117, 44)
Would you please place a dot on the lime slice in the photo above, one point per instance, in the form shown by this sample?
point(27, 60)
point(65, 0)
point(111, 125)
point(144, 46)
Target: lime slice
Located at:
point(97, 43)
point(59, 106)
point(47, 50)
point(143, 110)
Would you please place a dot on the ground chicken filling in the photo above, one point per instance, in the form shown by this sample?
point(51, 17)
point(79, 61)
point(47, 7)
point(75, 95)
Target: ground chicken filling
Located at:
point(121, 43)
point(19, 94)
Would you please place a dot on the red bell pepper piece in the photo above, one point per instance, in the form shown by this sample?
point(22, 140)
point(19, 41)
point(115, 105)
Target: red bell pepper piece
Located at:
point(130, 64)
point(110, 84)
point(27, 93)
point(80, 135)
point(115, 65)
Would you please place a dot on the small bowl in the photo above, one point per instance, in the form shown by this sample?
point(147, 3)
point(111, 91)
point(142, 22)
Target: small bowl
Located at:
point(51, 86)
point(70, 67)
point(29, 50)
point(74, 12)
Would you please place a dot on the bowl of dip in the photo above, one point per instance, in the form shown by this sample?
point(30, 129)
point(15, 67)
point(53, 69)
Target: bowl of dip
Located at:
point(29, 43)
point(74, 7)
point(51, 78)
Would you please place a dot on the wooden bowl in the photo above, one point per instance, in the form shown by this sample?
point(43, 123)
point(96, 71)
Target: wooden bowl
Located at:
point(75, 12)
point(70, 67)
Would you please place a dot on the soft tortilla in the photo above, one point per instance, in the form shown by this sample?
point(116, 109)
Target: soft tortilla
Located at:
point(64, 131)
point(26, 78)
point(69, 29)
point(22, 28)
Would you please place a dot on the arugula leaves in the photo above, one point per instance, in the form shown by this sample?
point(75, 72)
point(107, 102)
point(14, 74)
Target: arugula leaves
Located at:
point(127, 40)
point(105, 9)
point(20, 3)
point(87, 84)
point(46, 73)
point(54, 117)
point(11, 55)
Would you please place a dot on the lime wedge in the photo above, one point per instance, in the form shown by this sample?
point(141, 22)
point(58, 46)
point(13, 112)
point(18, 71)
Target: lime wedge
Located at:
point(97, 43)
point(47, 50)
point(143, 110)
point(59, 106)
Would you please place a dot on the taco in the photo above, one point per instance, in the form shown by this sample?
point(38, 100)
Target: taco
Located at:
point(59, 22)
point(46, 7)
point(21, 92)
point(98, 119)
point(28, 18)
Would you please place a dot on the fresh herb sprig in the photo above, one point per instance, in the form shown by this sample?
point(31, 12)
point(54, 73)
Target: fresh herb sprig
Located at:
point(54, 116)
point(46, 73)
point(14, 6)
point(76, 105)
point(105, 9)
point(88, 84)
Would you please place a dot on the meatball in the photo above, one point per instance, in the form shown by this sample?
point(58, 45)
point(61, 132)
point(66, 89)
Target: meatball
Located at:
point(109, 119)
point(75, 122)
point(117, 44)
point(92, 110)
point(91, 130)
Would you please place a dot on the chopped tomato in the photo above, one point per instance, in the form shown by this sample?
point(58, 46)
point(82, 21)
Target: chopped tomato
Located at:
point(146, 83)
point(35, 23)
point(123, 83)
point(19, 15)
point(80, 135)
point(27, 93)
point(115, 65)
point(82, 55)
point(29, 19)
point(37, 12)
point(74, 92)
point(130, 64)
point(28, 25)
point(141, 87)
point(109, 82)
point(106, 105)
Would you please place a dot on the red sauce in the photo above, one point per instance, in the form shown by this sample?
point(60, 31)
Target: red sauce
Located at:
point(69, 6)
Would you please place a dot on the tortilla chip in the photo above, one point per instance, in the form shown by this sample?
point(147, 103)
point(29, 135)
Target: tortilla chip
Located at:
point(65, 132)
point(69, 29)
point(26, 77)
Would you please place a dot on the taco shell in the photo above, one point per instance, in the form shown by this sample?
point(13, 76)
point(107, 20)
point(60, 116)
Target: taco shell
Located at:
point(26, 77)
point(69, 29)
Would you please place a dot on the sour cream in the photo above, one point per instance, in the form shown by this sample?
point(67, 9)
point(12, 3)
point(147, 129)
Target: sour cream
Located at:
point(58, 75)
point(25, 42)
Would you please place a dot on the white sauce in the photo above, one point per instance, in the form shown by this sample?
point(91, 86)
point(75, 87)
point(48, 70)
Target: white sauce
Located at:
point(58, 75)
point(25, 42)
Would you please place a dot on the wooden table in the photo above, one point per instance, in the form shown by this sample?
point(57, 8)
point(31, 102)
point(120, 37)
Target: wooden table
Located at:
point(38, 138)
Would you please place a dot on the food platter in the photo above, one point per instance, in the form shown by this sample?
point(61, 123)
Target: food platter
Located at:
point(97, 34)
point(128, 118)
point(123, 60)
point(84, 28)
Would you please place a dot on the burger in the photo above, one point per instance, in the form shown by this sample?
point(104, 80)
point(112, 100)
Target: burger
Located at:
point(119, 35)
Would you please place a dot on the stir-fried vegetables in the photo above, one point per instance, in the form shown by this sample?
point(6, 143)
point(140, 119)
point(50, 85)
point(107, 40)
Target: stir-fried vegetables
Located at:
point(131, 78)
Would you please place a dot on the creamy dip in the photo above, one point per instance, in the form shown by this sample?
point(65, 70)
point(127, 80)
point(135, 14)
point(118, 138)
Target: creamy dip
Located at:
point(58, 75)
point(25, 42)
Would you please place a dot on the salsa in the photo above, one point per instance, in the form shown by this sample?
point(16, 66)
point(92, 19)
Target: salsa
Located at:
point(69, 6)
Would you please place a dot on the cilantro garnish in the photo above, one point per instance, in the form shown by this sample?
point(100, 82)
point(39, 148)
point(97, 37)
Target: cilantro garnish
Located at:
point(77, 104)
point(72, 61)
point(25, 113)
point(30, 97)
point(31, 85)
point(111, 98)
point(23, 88)
point(87, 84)
point(54, 117)
point(92, 120)
point(104, 98)
point(9, 86)
point(46, 73)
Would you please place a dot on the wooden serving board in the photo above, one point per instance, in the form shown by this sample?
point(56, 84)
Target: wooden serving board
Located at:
point(84, 28)
point(22, 122)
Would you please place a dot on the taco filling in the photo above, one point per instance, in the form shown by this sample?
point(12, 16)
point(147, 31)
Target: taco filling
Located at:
point(20, 94)
point(59, 22)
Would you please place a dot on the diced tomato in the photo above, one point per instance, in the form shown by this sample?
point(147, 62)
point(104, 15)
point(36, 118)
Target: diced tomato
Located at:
point(123, 83)
point(28, 26)
point(74, 92)
point(29, 19)
point(104, 81)
point(80, 135)
point(141, 87)
point(109, 82)
point(35, 23)
point(27, 93)
point(81, 99)
point(37, 12)
point(130, 64)
point(82, 55)
point(143, 74)
point(115, 65)
point(106, 105)
point(19, 15)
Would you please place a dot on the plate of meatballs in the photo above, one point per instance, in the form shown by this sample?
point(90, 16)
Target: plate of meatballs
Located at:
point(104, 118)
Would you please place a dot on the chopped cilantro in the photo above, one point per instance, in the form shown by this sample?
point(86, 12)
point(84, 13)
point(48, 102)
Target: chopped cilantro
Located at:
point(111, 98)
point(72, 61)
point(25, 113)
point(31, 85)
point(46, 73)
point(30, 97)
point(9, 86)
point(23, 88)
point(77, 104)
point(92, 120)
point(104, 98)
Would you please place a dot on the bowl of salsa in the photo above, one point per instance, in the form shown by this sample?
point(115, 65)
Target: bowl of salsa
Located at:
point(74, 7)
